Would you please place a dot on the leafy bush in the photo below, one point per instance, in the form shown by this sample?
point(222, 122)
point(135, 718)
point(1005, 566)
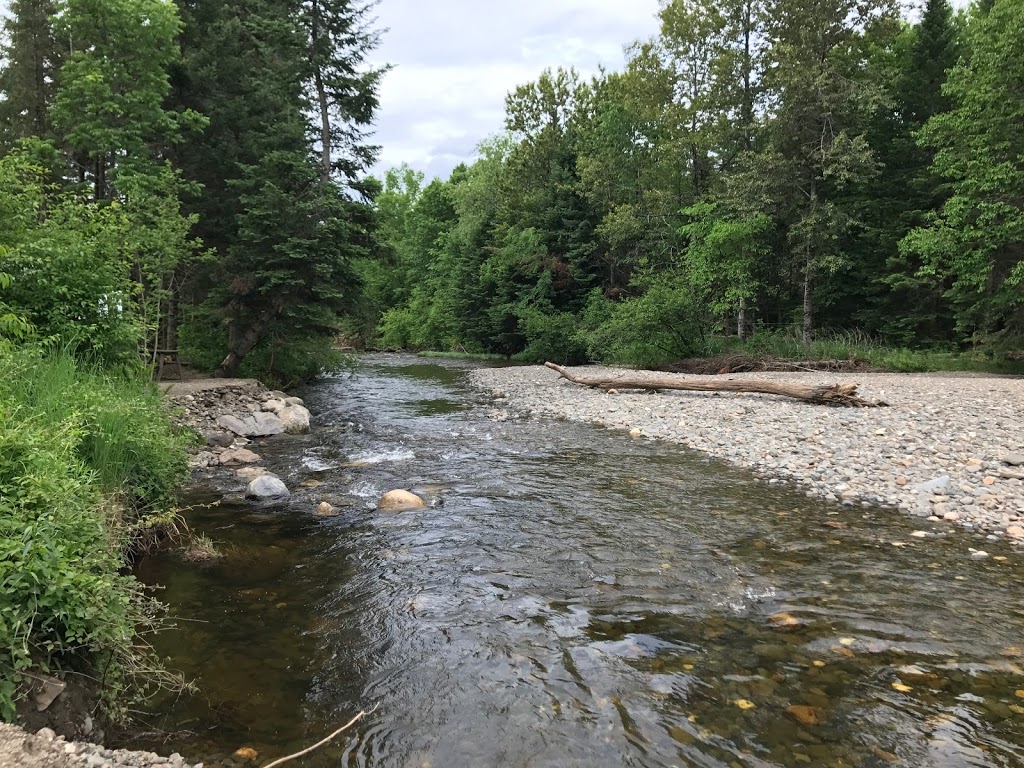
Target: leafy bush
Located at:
point(551, 335)
point(660, 326)
point(81, 453)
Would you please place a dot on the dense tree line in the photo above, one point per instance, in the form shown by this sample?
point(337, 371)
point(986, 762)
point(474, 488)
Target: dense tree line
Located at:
point(806, 165)
point(186, 174)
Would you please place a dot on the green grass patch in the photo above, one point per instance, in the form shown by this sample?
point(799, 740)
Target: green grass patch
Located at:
point(845, 345)
point(84, 457)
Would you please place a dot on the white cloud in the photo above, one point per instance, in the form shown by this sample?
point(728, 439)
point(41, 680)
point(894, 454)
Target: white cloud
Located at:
point(455, 61)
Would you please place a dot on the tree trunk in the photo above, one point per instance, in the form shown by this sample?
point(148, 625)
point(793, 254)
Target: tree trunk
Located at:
point(323, 102)
point(835, 394)
point(241, 342)
point(741, 320)
point(172, 319)
point(808, 321)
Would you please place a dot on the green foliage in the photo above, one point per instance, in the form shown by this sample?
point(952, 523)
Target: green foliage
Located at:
point(78, 450)
point(660, 326)
point(976, 241)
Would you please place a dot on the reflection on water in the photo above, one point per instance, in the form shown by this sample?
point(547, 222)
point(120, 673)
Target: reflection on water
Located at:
point(573, 597)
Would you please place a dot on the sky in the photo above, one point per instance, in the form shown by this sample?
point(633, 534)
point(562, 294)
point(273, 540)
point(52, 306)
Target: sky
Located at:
point(455, 60)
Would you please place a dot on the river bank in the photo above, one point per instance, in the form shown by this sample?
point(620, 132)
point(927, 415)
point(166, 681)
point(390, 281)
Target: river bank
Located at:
point(948, 447)
point(227, 415)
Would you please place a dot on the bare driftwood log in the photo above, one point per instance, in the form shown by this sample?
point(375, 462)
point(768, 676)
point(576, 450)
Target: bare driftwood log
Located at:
point(836, 394)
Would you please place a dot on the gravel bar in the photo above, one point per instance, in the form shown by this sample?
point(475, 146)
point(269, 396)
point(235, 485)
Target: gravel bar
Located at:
point(949, 446)
point(45, 749)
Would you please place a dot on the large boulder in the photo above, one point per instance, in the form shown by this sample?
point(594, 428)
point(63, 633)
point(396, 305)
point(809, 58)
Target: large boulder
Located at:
point(274, 405)
point(254, 425)
point(267, 487)
point(295, 419)
point(400, 501)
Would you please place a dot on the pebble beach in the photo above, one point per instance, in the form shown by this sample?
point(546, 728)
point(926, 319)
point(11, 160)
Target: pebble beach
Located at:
point(947, 446)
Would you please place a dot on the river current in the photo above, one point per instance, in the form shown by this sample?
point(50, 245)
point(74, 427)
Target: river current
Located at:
point(572, 597)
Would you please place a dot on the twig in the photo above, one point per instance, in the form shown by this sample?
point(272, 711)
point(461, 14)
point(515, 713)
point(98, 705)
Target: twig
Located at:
point(319, 744)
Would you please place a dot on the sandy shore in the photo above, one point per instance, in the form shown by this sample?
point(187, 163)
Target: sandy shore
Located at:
point(948, 446)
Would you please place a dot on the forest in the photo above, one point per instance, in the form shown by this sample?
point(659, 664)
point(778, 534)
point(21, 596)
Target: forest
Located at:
point(768, 174)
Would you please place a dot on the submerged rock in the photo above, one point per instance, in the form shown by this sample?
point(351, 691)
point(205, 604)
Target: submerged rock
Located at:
point(400, 501)
point(267, 486)
point(239, 456)
point(250, 473)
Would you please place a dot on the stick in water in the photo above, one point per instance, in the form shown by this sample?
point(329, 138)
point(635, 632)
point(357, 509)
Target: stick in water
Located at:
point(319, 744)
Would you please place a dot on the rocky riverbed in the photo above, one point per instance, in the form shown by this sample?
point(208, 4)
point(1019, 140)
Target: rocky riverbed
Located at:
point(949, 447)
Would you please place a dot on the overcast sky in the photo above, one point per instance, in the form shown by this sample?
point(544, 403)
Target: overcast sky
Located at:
point(455, 60)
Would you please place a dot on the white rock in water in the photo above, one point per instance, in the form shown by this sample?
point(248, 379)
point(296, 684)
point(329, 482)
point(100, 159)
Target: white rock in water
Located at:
point(294, 401)
point(400, 501)
point(267, 487)
point(295, 419)
point(979, 554)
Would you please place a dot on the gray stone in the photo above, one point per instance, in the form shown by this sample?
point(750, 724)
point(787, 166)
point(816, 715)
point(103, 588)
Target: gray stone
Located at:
point(1011, 474)
point(219, 439)
point(46, 733)
point(274, 406)
point(267, 487)
point(1014, 459)
point(300, 401)
point(234, 424)
point(258, 424)
point(267, 424)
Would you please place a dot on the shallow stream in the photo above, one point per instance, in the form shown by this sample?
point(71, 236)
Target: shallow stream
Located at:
point(573, 597)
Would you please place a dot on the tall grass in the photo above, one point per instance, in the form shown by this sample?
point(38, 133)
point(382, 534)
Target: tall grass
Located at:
point(853, 345)
point(83, 454)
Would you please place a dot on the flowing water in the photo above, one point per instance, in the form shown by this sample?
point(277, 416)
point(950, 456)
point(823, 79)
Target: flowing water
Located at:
point(574, 597)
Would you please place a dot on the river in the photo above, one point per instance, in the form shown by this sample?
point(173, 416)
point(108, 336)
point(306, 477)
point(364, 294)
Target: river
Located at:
point(572, 597)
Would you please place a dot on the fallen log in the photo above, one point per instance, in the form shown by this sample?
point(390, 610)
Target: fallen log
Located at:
point(823, 394)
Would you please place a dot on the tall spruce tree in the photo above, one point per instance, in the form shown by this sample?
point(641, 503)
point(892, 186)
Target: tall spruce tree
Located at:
point(284, 230)
point(31, 60)
point(821, 98)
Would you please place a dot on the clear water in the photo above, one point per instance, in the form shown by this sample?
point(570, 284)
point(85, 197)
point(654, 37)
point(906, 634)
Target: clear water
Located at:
point(573, 597)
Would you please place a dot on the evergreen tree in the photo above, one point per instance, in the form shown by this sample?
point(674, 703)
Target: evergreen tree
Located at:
point(31, 60)
point(285, 233)
point(976, 241)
